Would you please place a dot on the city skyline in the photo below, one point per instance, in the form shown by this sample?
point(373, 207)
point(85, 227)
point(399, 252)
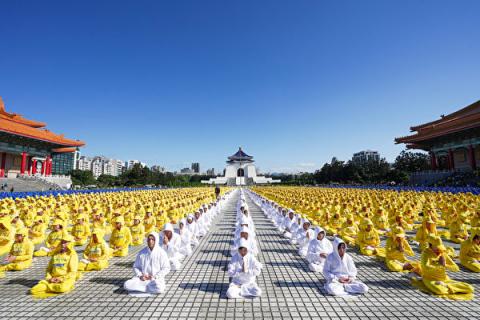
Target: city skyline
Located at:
point(293, 84)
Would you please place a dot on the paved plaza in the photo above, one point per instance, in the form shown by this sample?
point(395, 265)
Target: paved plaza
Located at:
point(290, 291)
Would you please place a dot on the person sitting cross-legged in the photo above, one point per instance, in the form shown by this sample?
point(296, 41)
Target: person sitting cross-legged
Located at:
point(150, 267)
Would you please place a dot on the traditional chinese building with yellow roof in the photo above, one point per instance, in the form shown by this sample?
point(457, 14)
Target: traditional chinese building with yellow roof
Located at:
point(28, 148)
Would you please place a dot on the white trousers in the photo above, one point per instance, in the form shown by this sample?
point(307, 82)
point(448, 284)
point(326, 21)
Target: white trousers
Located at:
point(175, 264)
point(148, 286)
point(340, 289)
point(236, 291)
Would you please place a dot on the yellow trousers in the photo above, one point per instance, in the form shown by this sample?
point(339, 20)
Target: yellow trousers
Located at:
point(470, 265)
point(44, 289)
point(122, 252)
point(93, 266)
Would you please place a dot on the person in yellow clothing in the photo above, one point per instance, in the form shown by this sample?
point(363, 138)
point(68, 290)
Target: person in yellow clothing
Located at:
point(99, 223)
point(381, 221)
point(368, 239)
point(427, 230)
point(138, 231)
point(37, 232)
point(61, 270)
point(120, 239)
point(96, 254)
point(21, 253)
point(149, 222)
point(396, 248)
point(6, 235)
point(349, 231)
point(458, 230)
point(17, 223)
point(470, 251)
point(81, 230)
point(53, 239)
point(435, 262)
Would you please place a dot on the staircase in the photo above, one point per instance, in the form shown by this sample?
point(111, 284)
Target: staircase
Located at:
point(20, 185)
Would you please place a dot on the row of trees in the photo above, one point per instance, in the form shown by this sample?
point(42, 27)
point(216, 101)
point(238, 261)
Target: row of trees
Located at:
point(137, 176)
point(373, 172)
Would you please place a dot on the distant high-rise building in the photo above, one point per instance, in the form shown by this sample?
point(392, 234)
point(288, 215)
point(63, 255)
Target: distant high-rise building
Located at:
point(84, 163)
point(211, 172)
point(366, 156)
point(97, 166)
point(196, 167)
point(186, 171)
point(157, 168)
point(100, 165)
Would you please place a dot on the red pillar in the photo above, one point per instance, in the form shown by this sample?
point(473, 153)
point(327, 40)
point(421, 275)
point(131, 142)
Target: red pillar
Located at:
point(34, 166)
point(451, 160)
point(471, 157)
point(42, 172)
point(24, 163)
point(433, 160)
point(2, 164)
point(49, 166)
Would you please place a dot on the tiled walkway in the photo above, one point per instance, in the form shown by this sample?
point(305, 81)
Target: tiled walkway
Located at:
point(198, 290)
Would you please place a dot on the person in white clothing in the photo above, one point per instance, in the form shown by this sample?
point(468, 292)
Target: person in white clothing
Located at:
point(243, 269)
point(172, 243)
point(150, 267)
point(304, 235)
point(193, 229)
point(186, 236)
point(340, 272)
point(245, 234)
point(318, 250)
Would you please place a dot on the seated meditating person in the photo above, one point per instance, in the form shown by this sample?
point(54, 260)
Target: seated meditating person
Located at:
point(149, 221)
point(349, 231)
point(318, 250)
point(458, 230)
point(287, 225)
point(53, 239)
point(340, 272)
point(396, 248)
point(295, 228)
point(61, 270)
point(121, 238)
point(245, 234)
point(172, 243)
point(81, 230)
point(470, 251)
point(37, 231)
point(243, 270)
point(427, 229)
point(96, 254)
point(381, 221)
point(304, 236)
point(150, 268)
point(186, 236)
point(278, 218)
point(21, 253)
point(192, 228)
point(201, 228)
point(435, 262)
point(138, 231)
point(7, 234)
point(368, 238)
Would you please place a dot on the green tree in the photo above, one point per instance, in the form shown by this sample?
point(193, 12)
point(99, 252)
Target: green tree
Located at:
point(82, 178)
point(412, 161)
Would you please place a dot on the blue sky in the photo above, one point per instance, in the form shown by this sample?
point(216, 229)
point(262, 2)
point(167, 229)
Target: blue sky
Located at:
point(292, 82)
